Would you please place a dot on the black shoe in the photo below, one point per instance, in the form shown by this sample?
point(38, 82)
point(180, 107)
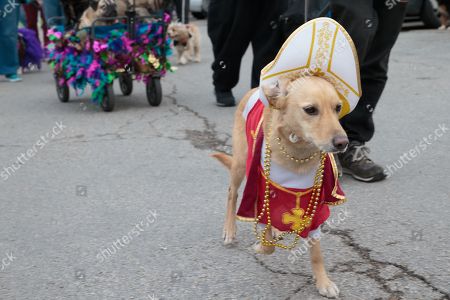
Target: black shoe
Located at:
point(225, 98)
point(356, 163)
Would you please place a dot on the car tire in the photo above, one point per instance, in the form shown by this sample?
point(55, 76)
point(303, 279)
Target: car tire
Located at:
point(429, 16)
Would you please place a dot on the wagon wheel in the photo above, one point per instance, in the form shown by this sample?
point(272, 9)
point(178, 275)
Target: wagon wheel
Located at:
point(62, 90)
point(126, 84)
point(154, 91)
point(108, 100)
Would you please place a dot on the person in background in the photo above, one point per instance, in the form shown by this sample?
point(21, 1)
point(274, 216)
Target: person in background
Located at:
point(232, 26)
point(444, 6)
point(374, 28)
point(183, 16)
point(32, 11)
point(52, 8)
point(9, 56)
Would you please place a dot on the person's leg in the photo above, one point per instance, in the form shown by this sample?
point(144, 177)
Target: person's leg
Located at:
point(53, 8)
point(179, 9)
point(44, 24)
point(267, 38)
point(31, 13)
point(360, 21)
point(22, 17)
point(374, 66)
point(374, 33)
point(229, 28)
point(9, 58)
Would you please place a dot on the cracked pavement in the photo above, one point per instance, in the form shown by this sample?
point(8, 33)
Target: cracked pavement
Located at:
point(393, 244)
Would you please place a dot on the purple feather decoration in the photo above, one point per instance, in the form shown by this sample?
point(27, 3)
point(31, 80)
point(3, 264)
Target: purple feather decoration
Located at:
point(33, 50)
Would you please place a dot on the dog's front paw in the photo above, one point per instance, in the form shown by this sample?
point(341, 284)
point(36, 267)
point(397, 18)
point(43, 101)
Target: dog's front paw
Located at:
point(327, 288)
point(183, 60)
point(260, 249)
point(229, 234)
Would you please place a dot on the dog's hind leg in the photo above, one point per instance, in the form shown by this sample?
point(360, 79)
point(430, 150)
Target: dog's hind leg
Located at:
point(237, 174)
point(236, 164)
point(324, 285)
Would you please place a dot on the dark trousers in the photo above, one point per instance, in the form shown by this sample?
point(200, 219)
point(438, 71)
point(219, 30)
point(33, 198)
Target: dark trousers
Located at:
point(179, 9)
point(232, 26)
point(374, 29)
point(9, 22)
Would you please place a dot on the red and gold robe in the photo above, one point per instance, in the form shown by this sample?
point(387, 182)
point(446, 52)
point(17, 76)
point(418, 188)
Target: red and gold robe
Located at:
point(287, 205)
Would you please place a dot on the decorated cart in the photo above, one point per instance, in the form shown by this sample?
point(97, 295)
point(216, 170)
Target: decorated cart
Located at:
point(133, 48)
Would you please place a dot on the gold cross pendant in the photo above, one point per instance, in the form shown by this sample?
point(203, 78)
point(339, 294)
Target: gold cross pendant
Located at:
point(295, 217)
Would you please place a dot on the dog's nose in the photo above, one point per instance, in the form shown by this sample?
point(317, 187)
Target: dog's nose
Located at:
point(340, 142)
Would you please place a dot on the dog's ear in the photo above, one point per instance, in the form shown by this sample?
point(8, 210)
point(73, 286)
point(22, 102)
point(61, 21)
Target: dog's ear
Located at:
point(189, 29)
point(276, 92)
point(94, 4)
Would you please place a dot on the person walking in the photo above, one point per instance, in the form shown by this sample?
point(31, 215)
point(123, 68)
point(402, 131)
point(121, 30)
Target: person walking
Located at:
point(52, 8)
point(374, 28)
point(182, 9)
point(32, 11)
point(9, 55)
point(232, 26)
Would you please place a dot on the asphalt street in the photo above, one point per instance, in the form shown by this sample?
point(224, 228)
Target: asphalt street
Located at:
point(145, 173)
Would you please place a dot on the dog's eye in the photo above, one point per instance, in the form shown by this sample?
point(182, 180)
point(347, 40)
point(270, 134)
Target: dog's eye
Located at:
point(338, 108)
point(311, 110)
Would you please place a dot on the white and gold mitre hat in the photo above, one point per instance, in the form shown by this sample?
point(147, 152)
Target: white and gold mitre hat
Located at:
point(320, 47)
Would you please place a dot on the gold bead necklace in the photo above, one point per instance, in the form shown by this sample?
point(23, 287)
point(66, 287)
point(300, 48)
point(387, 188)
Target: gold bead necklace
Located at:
point(312, 205)
point(293, 158)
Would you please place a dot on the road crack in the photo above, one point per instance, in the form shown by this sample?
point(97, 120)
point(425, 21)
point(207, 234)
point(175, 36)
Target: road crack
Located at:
point(208, 138)
point(377, 265)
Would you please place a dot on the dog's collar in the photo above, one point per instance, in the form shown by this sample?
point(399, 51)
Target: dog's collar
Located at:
point(176, 43)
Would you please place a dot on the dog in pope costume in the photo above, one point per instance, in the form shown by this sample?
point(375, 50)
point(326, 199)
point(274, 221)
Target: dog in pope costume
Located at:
point(292, 205)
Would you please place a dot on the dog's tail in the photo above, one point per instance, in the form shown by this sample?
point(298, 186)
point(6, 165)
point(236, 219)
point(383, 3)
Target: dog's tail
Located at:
point(225, 159)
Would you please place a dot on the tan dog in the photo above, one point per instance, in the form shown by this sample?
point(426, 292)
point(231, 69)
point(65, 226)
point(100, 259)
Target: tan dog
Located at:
point(113, 8)
point(186, 39)
point(102, 9)
point(143, 7)
point(307, 107)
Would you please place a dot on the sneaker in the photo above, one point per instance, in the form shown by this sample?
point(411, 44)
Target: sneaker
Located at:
point(356, 163)
point(442, 27)
point(225, 98)
point(13, 78)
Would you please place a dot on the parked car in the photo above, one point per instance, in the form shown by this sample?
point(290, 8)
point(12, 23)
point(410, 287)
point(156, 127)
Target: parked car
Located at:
point(423, 10)
point(199, 8)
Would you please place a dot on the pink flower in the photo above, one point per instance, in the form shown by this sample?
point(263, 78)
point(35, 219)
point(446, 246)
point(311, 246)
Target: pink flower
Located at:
point(127, 42)
point(92, 68)
point(166, 18)
point(99, 47)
